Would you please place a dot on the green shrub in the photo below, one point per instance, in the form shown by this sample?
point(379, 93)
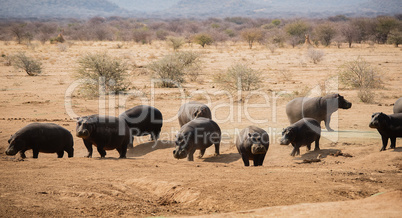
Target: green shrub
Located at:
point(239, 77)
point(100, 69)
point(203, 39)
point(30, 65)
point(172, 68)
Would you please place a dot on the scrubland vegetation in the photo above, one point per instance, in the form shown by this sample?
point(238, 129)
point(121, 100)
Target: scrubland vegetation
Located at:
point(282, 32)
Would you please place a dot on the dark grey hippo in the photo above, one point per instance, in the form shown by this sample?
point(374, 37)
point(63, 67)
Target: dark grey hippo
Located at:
point(198, 134)
point(192, 110)
point(143, 120)
point(252, 144)
point(303, 132)
point(41, 137)
point(105, 132)
point(319, 108)
point(398, 106)
point(389, 127)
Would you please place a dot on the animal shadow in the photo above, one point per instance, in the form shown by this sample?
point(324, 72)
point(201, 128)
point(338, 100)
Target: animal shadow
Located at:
point(323, 152)
point(397, 149)
point(148, 147)
point(223, 158)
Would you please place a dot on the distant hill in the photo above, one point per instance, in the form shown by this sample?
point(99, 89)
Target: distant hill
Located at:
point(145, 5)
point(196, 8)
point(58, 8)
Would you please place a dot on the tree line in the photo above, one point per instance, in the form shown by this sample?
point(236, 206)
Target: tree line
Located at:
point(280, 32)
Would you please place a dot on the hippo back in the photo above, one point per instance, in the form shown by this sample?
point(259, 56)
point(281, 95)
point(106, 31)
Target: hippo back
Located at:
point(143, 118)
point(398, 106)
point(47, 137)
point(192, 110)
point(205, 130)
point(302, 107)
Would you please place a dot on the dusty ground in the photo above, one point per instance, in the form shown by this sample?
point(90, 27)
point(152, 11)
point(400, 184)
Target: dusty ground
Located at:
point(152, 183)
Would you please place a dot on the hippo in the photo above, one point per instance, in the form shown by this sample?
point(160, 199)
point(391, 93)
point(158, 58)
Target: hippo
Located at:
point(105, 132)
point(319, 108)
point(41, 137)
point(198, 134)
point(192, 110)
point(303, 132)
point(143, 120)
point(398, 106)
point(389, 127)
point(252, 144)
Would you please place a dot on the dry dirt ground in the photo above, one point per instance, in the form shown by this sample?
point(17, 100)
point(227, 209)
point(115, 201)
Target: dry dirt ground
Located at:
point(150, 182)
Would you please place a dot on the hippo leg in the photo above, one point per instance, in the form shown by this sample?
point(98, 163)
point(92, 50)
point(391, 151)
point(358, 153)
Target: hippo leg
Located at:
point(35, 153)
point(70, 152)
point(60, 154)
point(296, 150)
point(217, 149)
point(122, 151)
point(259, 159)
point(190, 156)
point(317, 145)
point(308, 147)
point(202, 152)
point(101, 151)
point(22, 154)
point(384, 143)
point(154, 136)
point(88, 145)
point(327, 120)
point(393, 142)
point(246, 160)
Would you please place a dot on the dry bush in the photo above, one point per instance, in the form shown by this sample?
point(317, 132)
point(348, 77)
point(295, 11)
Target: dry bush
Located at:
point(315, 55)
point(366, 95)
point(360, 74)
point(239, 77)
point(175, 42)
point(30, 65)
point(102, 72)
point(172, 68)
point(63, 47)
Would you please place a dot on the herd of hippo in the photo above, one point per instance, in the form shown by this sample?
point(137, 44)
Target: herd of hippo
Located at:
point(198, 131)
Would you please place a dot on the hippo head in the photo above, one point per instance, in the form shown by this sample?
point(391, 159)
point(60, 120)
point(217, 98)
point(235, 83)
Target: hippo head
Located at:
point(257, 146)
point(201, 112)
point(15, 145)
point(288, 135)
point(182, 146)
point(378, 120)
point(342, 102)
point(84, 127)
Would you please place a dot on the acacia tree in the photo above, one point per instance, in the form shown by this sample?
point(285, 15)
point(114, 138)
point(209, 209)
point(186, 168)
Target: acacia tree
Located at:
point(349, 33)
point(18, 30)
point(325, 33)
point(251, 35)
point(203, 39)
point(297, 31)
point(384, 27)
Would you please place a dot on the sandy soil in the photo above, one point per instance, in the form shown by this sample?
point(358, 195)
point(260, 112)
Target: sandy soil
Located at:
point(150, 182)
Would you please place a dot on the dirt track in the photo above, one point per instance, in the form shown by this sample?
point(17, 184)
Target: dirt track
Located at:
point(150, 182)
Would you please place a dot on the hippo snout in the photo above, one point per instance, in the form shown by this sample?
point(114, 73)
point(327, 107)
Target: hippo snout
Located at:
point(284, 142)
point(258, 149)
point(373, 124)
point(179, 153)
point(11, 152)
point(348, 105)
point(83, 134)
